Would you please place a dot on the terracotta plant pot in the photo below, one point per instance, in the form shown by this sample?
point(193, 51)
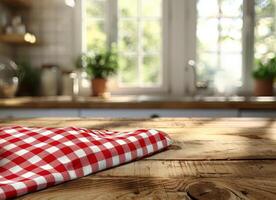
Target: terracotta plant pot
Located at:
point(99, 86)
point(263, 87)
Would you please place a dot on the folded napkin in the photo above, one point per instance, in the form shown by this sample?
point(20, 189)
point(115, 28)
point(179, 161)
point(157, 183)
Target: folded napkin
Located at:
point(35, 158)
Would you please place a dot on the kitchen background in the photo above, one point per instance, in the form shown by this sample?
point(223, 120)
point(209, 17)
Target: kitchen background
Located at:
point(177, 50)
point(51, 22)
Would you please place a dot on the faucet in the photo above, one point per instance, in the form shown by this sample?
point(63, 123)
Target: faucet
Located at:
point(190, 70)
point(192, 84)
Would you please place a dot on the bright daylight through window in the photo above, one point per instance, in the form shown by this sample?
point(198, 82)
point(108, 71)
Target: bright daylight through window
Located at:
point(219, 45)
point(138, 35)
point(220, 38)
point(265, 36)
point(220, 56)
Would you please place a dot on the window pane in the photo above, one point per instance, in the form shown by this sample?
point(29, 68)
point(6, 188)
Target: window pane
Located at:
point(265, 27)
point(207, 42)
point(207, 66)
point(96, 37)
point(95, 24)
point(128, 35)
point(208, 8)
point(151, 70)
point(151, 8)
point(231, 64)
point(128, 8)
point(265, 33)
point(229, 74)
point(219, 39)
point(264, 8)
point(139, 38)
point(231, 8)
point(129, 71)
point(231, 35)
point(95, 8)
point(140, 35)
point(151, 36)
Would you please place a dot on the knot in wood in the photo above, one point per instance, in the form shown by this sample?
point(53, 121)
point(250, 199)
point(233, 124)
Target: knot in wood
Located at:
point(208, 191)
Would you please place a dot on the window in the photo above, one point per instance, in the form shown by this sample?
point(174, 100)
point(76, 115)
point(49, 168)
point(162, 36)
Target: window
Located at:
point(219, 41)
point(138, 33)
point(218, 34)
point(265, 33)
point(95, 17)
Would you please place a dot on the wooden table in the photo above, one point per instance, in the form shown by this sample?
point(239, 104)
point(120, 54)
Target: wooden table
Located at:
point(210, 159)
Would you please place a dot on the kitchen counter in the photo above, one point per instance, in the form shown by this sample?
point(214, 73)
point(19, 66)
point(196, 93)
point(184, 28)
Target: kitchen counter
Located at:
point(142, 102)
point(138, 107)
point(211, 158)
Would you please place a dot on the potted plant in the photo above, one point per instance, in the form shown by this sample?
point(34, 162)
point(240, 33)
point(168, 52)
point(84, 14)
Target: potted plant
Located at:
point(264, 76)
point(100, 66)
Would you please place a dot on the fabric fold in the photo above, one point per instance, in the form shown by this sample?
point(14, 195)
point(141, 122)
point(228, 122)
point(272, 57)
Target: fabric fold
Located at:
point(34, 158)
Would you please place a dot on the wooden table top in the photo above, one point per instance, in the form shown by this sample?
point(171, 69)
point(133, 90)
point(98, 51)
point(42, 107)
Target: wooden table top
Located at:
point(210, 159)
point(141, 102)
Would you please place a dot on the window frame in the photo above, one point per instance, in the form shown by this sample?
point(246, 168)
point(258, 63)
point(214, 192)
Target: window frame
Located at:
point(111, 21)
point(248, 40)
point(248, 50)
point(179, 45)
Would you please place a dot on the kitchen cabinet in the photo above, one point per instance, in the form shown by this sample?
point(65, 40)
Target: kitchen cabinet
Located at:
point(147, 113)
point(133, 113)
point(259, 113)
point(136, 107)
point(30, 113)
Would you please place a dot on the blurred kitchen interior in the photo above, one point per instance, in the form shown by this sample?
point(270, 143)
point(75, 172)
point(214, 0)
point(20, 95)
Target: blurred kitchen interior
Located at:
point(137, 58)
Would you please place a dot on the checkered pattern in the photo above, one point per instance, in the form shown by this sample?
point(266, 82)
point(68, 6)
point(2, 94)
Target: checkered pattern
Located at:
point(35, 158)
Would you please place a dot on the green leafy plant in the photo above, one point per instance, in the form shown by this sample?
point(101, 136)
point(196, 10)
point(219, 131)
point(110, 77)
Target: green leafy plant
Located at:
point(29, 79)
point(265, 70)
point(102, 64)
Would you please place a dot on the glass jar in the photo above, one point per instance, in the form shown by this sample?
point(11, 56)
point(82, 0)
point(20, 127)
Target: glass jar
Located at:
point(8, 78)
point(82, 83)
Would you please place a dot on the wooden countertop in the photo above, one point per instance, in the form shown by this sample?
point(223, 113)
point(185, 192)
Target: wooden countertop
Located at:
point(142, 102)
point(210, 159)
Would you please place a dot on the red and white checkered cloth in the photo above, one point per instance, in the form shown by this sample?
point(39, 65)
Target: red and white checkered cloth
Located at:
point(35, 158)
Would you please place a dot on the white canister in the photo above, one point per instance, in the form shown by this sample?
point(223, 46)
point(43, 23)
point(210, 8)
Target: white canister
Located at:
point(49, 80)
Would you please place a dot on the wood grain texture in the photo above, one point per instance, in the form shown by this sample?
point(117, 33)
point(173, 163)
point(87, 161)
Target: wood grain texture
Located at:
point(141, 102)
point(205, 139)
point(199, 169)
point(95, 188)
point(210, 159)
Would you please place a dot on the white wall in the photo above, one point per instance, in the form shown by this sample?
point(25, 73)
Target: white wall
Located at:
point(53, 22)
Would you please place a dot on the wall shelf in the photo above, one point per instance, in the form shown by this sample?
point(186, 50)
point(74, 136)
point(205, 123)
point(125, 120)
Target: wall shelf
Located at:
point(14, 39)
point(17, 3)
